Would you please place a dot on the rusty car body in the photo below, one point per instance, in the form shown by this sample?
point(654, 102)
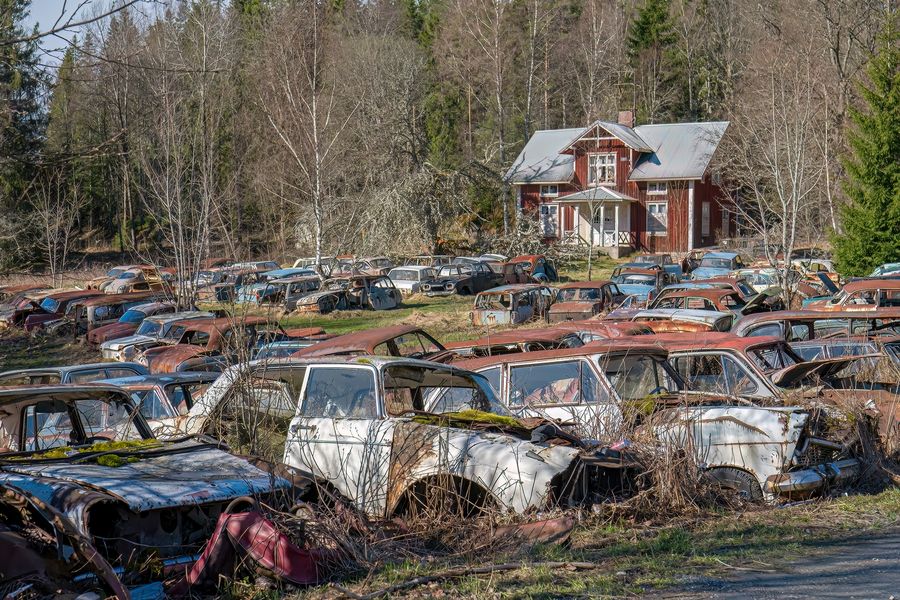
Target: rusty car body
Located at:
point(540, 268)
point(428, 260)
point(99, 283)
point(862, 294)
point(84, 373)
point(382, 432)
point(405, 341)
point(511, 304)
point(141, 278)
point(54, 306)
point(579, 300)
point(87, 452)
point(796, 325)
point(160, 397)
point(663, 320)
point(358, 292)
point(129, 322)
point(463, 279)
point(204, 344)
point(84, 316)
point(152, 331)
point(517, 340)
point(760, 450)
point(642, 285)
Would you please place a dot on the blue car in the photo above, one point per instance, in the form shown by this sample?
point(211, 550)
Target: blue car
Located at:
point(717, 264)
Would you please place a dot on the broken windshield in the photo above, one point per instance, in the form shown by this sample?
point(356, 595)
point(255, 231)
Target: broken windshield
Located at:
point(637, 376)
point(409, 388)
point(494, 301)
point(570, 294)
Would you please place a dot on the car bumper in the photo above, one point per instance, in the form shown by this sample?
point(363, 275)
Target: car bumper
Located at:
point(814, 478)
point(441, 292)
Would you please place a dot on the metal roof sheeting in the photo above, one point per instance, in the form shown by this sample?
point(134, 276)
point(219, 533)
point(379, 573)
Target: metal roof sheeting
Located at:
point(540, 160)
point(682, 150)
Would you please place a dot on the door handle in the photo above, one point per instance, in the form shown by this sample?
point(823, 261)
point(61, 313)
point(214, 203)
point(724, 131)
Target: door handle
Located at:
point(296, 428)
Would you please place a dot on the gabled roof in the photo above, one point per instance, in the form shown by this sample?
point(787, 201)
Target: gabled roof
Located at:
point(598, 192)
point(681, 150)
point(625, 134)
point(540, 161)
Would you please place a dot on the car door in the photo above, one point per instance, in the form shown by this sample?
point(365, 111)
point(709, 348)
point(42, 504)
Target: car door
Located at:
point(341, 436)
point(564, 390)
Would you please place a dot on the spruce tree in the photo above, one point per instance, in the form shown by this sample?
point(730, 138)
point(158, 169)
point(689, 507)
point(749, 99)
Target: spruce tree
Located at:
point(21, 113)
point(871, 218)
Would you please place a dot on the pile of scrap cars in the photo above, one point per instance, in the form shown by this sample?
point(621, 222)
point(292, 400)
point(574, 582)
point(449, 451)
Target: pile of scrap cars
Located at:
point(117, 477)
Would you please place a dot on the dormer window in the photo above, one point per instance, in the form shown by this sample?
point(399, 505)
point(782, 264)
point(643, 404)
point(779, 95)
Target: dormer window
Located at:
point(549, 191)
point(601, 169)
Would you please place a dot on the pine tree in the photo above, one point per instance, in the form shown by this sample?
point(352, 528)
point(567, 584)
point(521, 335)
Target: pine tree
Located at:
point(871, 220)
point(21, 115)
point(650, 45)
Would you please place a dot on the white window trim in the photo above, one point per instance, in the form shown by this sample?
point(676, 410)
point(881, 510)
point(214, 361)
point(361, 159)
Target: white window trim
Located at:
point(611, 165)
point(549, 194)
point(658, 192)
point(664, 232)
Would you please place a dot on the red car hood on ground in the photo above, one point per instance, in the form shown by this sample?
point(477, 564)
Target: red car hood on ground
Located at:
point(112, 331)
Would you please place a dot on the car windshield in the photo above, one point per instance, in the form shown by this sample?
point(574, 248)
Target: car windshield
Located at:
point(115, 272)
point(638, 376)
point(772, 358)
point(50, 304)
point(49, 424)
point(633, 279)
point(149, 328)
point(127, 275)
point(746, 290)
point(716, 263)
point(570, 294)
point(449, 271)
point(405, 275)
point(449, 391)
point(380, 263)
point(133, 316)
point(151, 405)
point(838, 298)
point(494, 301)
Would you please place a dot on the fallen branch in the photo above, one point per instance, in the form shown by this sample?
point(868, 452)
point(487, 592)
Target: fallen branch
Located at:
point(745, 568)
point(462, 572)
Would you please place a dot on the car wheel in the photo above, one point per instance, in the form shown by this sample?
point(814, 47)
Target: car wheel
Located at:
point(735, 481)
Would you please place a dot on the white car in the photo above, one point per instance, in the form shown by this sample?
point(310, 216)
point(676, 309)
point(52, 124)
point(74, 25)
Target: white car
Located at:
point(362, 425)
point(409, 279)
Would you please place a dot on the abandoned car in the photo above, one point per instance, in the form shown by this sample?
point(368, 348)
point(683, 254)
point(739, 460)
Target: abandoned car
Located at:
point(409, 279)
point(604, 388)
point(359, 292)
point(462, 279)
point(717, 264)
point(584, 299)
point(85, 373)
point(129, 322)
point(387, 434)
point(863, 294)
point(512, 304)
point(152, 331)
point(88, 453)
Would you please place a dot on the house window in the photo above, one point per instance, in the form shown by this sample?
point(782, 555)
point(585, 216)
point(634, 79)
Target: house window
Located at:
point(657, 218)
point(657, 188)
point(601, 169)
point(549, 191)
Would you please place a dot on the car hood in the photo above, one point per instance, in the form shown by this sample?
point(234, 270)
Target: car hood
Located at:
point(118, 344)
point(181, 474)
point(113, 331)
point(822, 368)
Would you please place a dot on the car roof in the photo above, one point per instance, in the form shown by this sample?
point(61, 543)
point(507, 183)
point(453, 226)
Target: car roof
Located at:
point(358, 341)
point(872, 283)
point(163, 379)
point(512, 288)
point(621, 345)
point(590, 285)
point(67, 391)
point(64, 369)
point(515, 336)
point(411, 268)
point(710, 340)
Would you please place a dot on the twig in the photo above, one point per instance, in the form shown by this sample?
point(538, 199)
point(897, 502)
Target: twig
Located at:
point(745, 568)
point(461, 572)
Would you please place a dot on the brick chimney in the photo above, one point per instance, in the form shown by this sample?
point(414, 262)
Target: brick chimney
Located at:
point(626, 118)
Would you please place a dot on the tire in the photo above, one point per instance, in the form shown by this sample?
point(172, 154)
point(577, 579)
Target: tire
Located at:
point(742, 483)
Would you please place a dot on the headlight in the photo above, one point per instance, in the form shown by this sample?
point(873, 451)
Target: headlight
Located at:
point(451, 285)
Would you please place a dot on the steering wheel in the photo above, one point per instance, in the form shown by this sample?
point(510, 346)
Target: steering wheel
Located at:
point(658, 390)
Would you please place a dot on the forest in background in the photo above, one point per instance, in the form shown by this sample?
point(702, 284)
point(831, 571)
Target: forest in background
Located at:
point(286, 127)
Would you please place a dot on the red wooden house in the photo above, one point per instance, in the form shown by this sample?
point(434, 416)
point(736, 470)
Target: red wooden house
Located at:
point(630, 188)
